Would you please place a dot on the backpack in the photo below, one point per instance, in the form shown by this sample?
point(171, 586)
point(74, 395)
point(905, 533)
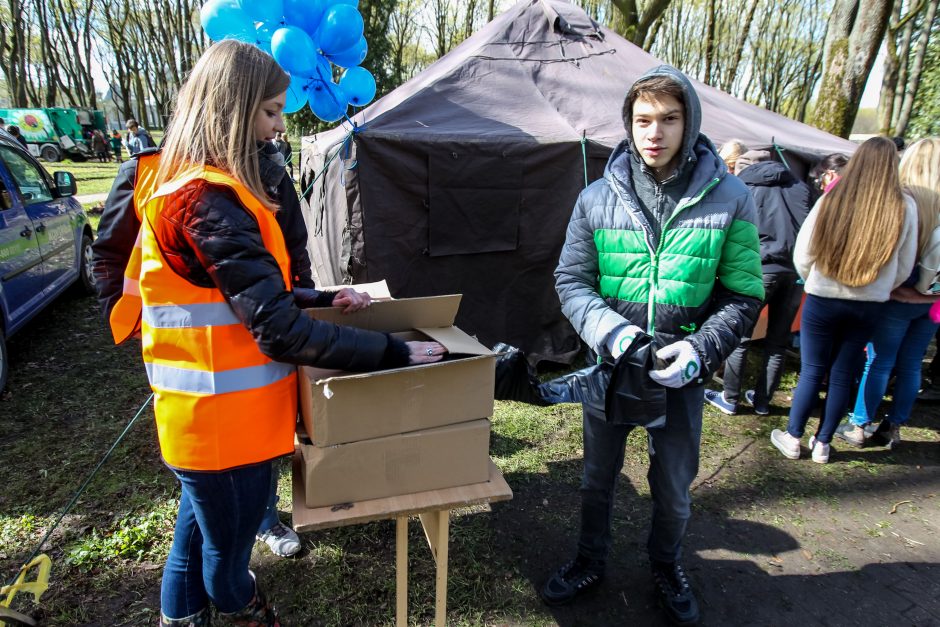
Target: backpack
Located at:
point(928, 266)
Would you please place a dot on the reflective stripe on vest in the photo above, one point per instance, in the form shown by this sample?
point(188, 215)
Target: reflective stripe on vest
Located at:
point(219, 403)
point(125, 315)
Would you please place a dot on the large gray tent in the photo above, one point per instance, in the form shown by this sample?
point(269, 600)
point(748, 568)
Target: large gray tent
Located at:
point(462, 180)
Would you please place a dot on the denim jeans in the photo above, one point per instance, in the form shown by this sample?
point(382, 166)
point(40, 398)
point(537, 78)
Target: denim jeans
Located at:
point(833, 334)
point(270, 513)
point(673, 454)
point(219, 514)
point(782, 296)
point(901, 339)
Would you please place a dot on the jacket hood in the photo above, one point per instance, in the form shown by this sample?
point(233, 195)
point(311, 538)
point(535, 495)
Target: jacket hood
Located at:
point(766, 173)
point(693, 113)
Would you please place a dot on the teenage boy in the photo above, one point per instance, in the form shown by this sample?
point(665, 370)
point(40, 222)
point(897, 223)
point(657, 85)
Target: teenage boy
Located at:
point(664, 244)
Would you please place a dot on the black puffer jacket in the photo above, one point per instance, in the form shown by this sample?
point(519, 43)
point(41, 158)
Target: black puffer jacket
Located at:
point(783, 203)
point(209, 239)
point(118, 228)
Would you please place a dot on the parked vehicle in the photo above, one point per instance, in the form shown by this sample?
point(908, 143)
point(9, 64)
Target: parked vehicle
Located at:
point(53, 133)
point(45, 240)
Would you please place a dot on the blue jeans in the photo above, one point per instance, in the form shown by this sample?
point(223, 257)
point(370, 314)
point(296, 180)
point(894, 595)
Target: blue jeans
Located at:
point(833, 334)
point(270, 513)
point(673, 454)
point(901, 338)
point(783, 295)
point(218, 516)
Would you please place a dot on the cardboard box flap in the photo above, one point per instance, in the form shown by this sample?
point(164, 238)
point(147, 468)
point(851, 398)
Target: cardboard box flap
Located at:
point(456, 341)
point(395, 315)
point(378, 290)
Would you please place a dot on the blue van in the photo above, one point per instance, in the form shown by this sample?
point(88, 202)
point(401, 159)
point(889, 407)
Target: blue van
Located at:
point(45, 240)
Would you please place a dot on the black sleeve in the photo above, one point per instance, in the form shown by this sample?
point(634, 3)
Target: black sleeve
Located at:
point(227, 242)
point(117, 232)
point(292, 223)
point(732, 318)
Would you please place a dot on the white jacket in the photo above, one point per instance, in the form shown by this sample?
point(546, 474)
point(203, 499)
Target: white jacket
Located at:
point(892, 274)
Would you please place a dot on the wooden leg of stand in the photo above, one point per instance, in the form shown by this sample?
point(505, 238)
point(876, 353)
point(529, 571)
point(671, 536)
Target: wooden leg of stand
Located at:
point(443, 540)
point(401, 571)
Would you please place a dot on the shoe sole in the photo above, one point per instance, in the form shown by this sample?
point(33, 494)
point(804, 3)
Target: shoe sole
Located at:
point(851, 442)
point(675, 621)
point(812, 448)
point(577, 595)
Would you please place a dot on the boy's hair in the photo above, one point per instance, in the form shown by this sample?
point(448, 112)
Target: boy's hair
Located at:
point(653, 87)
point(213, 123)
point(859, 222)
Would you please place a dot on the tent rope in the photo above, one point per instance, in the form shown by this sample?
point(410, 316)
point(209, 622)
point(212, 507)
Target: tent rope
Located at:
point(773, 141)
point(81, 490)
point(584, 155)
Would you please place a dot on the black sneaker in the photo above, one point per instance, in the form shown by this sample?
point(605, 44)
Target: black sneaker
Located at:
point(572, 579)
point(675, 593)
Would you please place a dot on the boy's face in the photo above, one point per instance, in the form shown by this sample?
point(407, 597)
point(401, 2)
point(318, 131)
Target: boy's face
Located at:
point(658, 127)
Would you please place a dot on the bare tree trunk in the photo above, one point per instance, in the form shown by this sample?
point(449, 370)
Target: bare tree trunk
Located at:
point(732, 70)
point(637, 22)
point(913, 82)
point(856, 28)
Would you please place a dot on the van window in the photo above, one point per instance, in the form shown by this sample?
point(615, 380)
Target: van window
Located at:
point(32, 184)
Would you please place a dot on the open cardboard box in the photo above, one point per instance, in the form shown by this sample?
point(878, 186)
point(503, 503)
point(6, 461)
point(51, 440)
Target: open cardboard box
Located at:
point(430, 459)
point(340, 407)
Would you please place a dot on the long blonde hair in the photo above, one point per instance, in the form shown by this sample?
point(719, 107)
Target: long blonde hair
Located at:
point(860, 220)
point(730, 151)
point(920, 176)
point(213, 123)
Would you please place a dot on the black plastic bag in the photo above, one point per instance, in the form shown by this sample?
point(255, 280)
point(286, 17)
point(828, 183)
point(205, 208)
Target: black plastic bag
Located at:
point(515, 379)
point(632, 397)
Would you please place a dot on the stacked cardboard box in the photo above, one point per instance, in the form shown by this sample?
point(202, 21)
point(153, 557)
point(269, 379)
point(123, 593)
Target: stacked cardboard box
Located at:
point(391, 432)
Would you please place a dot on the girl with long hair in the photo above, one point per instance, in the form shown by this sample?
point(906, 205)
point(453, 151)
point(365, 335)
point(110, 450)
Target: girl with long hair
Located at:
point(222, 333)
point(905, 327)
point(857, 244)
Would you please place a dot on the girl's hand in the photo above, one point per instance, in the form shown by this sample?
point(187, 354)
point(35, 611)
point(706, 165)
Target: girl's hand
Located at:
point(351, 300)
point(425, 352)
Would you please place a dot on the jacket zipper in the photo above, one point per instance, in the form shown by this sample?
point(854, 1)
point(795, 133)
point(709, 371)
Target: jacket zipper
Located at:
point(654, 269)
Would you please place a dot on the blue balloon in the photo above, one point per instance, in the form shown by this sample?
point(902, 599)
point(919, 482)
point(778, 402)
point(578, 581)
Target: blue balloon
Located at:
point(359, 86)
point(264, 33)
point(294, 51)
point(305, 14)
point(354, 3)
point(328, 102)
point(353, 56)
point(296, 94)
point(225, 19)
point(263, 10)
point(340, 29)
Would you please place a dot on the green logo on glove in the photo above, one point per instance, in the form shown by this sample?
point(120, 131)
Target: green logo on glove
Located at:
point(691, 369)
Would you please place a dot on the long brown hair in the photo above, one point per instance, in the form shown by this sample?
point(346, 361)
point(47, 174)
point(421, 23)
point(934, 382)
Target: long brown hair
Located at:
point(920, 176)
point(215, 114)
point(860, 220)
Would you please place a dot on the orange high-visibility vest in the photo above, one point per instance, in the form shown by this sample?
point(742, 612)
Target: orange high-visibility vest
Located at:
point(125, 315)
point(220, 403)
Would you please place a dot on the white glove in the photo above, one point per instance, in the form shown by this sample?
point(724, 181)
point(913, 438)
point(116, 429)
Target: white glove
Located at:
point(685, 366)
point(619, 341)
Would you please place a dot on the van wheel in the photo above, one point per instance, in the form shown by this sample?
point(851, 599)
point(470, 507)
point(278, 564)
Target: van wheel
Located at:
point(50, 153)
point(4, 361)
point(87, 277)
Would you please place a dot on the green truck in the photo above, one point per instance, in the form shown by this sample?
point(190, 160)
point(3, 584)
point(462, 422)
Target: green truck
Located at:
point(56, 132)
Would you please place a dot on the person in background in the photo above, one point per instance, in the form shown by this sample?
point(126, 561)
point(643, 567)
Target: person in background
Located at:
point(137, 139)
point(666, 197)
point(904, 328)
point(782, 203)
point(857, 244)
point(214, 297)
point(730, 151)
point(824, 174)
point(99, 145)
point(15, 132)
point(284, 147)
point(115, 142)
point(3, 124)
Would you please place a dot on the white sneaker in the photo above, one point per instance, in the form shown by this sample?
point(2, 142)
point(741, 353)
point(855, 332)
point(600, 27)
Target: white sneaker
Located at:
point(820, 451)
point(282, 540)
point(785, 443)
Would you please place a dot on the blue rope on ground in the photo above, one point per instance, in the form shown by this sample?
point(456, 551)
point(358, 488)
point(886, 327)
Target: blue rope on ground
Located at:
point(81, 490)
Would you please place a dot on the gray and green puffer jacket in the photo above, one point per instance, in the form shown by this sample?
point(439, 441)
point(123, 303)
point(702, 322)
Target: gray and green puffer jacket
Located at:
point(700, 282)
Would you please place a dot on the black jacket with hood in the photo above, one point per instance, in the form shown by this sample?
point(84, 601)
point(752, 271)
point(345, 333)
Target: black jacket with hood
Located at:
point(211, 240)
point(783, 202)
